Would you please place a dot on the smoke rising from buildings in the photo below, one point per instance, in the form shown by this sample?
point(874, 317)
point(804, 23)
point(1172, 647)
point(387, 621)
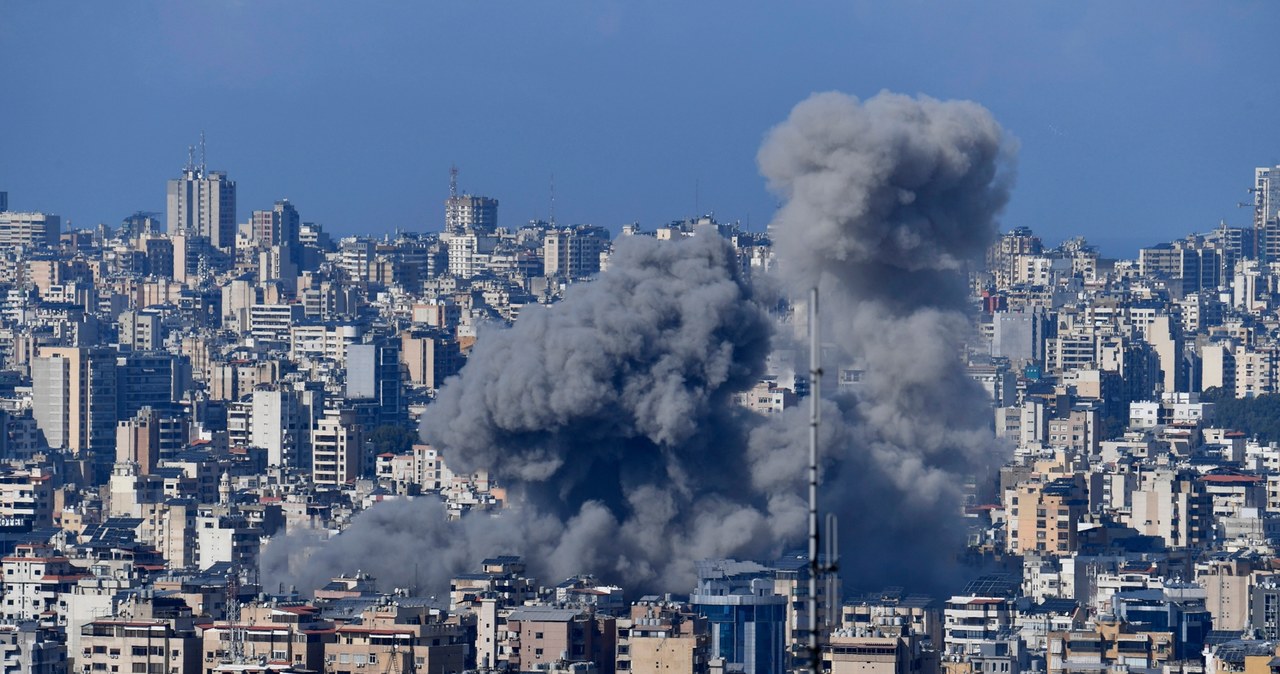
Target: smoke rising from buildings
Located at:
point(885, 202)
point(609, 415)
point(604, 387)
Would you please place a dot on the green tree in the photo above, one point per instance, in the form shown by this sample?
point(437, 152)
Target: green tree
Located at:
point(1257, 417)
point(393, 439)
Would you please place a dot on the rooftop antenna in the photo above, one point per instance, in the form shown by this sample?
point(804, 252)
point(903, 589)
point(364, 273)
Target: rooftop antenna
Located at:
point(191, 157)
point(202, 164)
point(453, 181)
point(233, 616)
point(553, 200)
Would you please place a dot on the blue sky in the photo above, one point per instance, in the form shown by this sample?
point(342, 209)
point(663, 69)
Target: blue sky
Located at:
point(1137, 121)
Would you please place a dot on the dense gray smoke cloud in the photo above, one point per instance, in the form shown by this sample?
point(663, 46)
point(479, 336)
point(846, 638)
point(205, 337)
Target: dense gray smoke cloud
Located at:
point(627, 379)
point(883, 198)
point(887, 200)
point(609, 415)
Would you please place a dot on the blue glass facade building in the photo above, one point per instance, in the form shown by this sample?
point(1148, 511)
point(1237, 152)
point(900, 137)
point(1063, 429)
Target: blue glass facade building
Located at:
point(747, 620)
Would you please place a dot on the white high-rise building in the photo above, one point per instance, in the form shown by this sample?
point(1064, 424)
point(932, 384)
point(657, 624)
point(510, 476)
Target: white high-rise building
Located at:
point(463, 212)
point(1266, 212)
point(203, 203)
point(30, 230)
point(574, 252)
point(469, 253)
point(281, 425)
point(1266, 196)
point(337, 448)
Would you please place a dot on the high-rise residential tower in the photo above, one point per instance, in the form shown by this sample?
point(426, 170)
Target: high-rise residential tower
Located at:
point(374, 374)
point(465, 211)
point(29, 230)
point(74, 402)
point(277, 227)
point(574, 252)
point(203, 203)
point(470, 212)
point(1266, 212)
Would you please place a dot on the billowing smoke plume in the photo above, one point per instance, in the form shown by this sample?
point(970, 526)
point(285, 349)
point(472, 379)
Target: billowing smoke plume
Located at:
point(609, 415)
point(609, 418)
point(885, 198)
point(886, 202)
point(625, 382)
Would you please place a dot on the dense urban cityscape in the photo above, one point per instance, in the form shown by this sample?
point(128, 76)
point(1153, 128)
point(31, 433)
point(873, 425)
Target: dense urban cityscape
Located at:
point(236, 443)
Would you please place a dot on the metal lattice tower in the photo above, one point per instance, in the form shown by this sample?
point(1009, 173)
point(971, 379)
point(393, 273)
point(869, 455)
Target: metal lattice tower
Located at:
point(234, 617)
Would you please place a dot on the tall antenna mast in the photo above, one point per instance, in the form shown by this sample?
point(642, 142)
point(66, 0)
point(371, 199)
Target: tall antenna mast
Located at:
point(453, 182)
point(191, 158)
point(202, 164)
point(815, 388)
point(553, 200)
point(233, 616)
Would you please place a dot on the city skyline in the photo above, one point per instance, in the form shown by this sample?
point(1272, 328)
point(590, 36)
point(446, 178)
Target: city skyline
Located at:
point(1136, 123)
point(582, 412)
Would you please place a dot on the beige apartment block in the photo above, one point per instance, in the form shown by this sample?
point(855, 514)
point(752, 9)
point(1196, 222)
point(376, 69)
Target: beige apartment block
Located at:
point(660, 638)
point(393, 638)
point(145, 646)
